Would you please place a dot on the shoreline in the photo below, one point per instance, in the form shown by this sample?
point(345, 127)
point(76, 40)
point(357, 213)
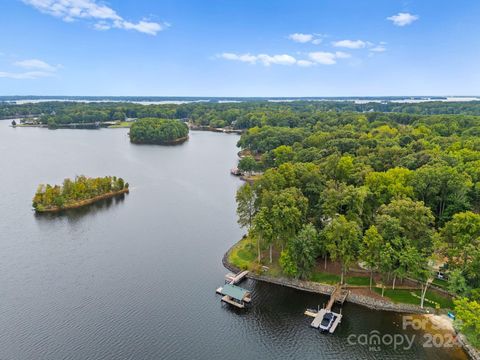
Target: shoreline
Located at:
point(83, 203)
point(325, 289)
point(167, 143)
point(365, 301)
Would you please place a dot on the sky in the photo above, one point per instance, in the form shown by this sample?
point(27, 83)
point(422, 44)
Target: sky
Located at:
point(240, 47)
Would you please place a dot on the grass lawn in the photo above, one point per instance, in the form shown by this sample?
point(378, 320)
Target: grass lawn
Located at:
point(325, 278)
point(359, 281)
point(243, 254)
point(406, 297)
point(332, 279)
point(440, 283)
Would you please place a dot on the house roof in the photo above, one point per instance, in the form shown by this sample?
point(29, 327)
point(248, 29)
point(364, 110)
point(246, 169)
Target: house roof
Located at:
point(235, 292)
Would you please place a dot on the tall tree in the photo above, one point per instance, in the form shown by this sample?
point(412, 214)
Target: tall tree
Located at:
point(246, 205)
point(342, 241)
point(371, 250)
point(302, 250)
point(462, 238)
point(262, 230)
point(285, 212)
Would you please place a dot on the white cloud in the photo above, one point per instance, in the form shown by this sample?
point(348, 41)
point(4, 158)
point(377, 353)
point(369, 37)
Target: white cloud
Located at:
point(378, 48)
point(306, 38)
point(25, 75)
point(350, 44)
point(35, 64)
point(264, 59)
point(147, 27)
point(301, 38)
point(342, 55)
point(314, 58)
point(305, 63)
point(284, 59)
point(36, 69)
point(105, 17)
point(322, 57)
point(252, 59)
point(403, 19)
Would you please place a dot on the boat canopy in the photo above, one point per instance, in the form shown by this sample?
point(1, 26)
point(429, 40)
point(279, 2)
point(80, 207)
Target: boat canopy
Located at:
point(235, 292)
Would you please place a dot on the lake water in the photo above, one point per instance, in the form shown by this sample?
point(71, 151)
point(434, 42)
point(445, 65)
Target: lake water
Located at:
point(136, 278)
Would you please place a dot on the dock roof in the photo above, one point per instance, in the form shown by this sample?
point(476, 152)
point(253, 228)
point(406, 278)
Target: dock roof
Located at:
point(235, 292)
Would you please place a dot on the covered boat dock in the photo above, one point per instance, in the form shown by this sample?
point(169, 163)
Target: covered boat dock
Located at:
point(235, 295)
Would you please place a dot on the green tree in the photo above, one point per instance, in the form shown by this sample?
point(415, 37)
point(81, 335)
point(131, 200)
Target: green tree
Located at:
point(371, 250)
point(246, 205)
point(343, 241)
point(468, 313)
point(302, 250)
point(442, 188)
point(408, 219)
point(285, 212)
point(457, 284)
point(247, 164)
point(283, 154)
point(262, 230)
point(462, 236)
point(289, 267)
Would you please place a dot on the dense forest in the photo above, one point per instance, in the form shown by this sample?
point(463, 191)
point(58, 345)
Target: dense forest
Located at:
point(399, 193)
point(74, 191)
point(242, 115)
point(158, 131)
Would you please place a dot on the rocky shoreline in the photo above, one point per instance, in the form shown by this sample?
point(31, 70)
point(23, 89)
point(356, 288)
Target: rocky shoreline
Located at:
point(82, 203)
point(325, 289)
point(366, 301)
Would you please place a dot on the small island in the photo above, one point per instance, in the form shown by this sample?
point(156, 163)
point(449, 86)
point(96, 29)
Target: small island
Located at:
point(76, 193)
point(158, 131)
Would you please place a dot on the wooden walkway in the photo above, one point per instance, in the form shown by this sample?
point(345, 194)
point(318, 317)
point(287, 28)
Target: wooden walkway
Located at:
point(235, 278)
point(339, 295)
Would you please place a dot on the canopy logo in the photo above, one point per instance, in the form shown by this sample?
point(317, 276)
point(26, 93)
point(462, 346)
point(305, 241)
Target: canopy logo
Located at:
point(433, 335)
point(374, 340)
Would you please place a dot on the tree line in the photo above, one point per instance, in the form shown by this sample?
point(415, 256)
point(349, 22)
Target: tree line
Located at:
point(72, 191)
point(243, 115)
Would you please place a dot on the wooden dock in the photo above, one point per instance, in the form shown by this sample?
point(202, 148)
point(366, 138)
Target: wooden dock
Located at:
point(229, 300)
point(318, 317)
point(233, 294)
point(339, 296)
point(234, 279)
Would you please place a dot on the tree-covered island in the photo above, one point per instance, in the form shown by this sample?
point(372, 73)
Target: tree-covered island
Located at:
point(158, 131)
point(76, 193)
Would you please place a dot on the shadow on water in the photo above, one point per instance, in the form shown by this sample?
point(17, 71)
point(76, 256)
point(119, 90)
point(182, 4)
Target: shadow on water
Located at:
point(74, 215)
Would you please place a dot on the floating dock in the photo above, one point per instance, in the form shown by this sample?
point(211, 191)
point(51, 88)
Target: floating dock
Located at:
point(318, 317)
point(339, 295)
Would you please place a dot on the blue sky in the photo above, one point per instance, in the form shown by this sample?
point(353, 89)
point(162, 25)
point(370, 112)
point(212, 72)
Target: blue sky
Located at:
point(240, 47)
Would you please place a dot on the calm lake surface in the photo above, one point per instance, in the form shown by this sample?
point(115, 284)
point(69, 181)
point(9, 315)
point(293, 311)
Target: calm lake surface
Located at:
point(136, 279)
